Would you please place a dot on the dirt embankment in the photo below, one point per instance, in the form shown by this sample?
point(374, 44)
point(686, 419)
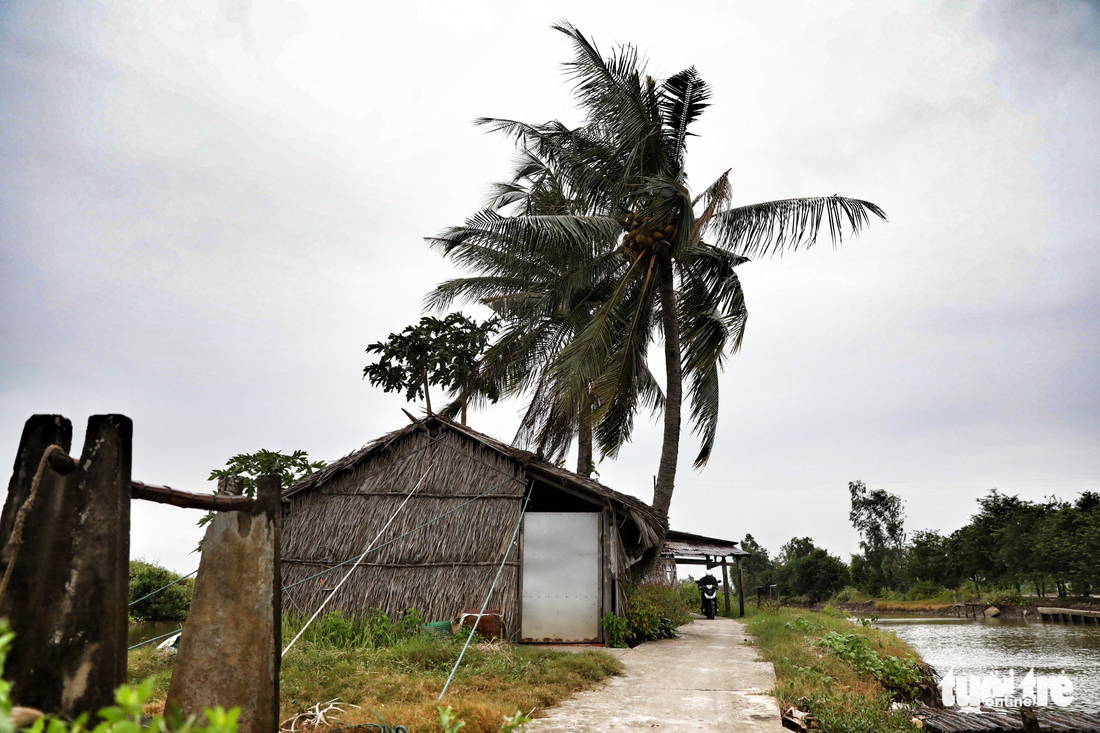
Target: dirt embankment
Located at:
point(1007, 610)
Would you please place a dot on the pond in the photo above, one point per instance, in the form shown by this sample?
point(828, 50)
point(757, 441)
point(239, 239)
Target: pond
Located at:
point(144, 630)
point(984, 647)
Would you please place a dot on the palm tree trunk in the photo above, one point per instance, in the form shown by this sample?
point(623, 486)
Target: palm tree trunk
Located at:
point(674, 388)
point(584, 441)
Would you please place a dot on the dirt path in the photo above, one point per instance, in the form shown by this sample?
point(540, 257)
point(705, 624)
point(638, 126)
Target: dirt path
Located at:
point(707, 680)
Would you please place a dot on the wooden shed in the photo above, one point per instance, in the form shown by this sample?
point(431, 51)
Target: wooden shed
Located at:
point(463, 494)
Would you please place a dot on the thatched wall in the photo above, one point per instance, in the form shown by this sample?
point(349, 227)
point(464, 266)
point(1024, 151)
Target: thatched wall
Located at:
point(439, 570)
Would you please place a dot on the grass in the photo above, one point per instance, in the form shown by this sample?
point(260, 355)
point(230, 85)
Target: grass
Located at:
point(827, 666)
point(400, 681)
point(904, 606)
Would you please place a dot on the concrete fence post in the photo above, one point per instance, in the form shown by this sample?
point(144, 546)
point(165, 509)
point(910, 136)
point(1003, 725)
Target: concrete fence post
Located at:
point(68, 595)
point(230, 651)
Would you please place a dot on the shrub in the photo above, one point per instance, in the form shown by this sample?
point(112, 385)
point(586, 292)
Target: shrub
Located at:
point(336, 630)
point(690, 595)
point(655, 612)
point(848, 594)
point(615, 627)
point(1004, 598)
point(923, 590)
point(171, 604)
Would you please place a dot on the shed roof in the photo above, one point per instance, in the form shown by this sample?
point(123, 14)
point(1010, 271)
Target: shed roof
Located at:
point(651, 524)
point(696, 546)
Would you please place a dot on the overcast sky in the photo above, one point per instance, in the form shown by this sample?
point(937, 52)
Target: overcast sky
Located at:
point(209, 209)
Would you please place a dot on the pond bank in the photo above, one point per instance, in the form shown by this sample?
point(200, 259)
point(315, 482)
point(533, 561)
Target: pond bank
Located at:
point(945, 610)
point(837, 675)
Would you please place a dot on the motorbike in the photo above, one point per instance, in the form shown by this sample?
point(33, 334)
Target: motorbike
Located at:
point(708, 590)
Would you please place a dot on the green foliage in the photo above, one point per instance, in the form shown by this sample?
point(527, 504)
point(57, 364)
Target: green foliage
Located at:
point(650, 259)
point(171, 604)
point(879, 517)
point(848, 594)
point(443, 352)
point(615, 627)
point(655, 613)
point(924, 590)
point(901, 675)
point(809, 572)
point(511, 723)
point(6, 638)
point(448, 720)
point(690, 596)
point(758, 568)
point(291, 468)
point(336, 630)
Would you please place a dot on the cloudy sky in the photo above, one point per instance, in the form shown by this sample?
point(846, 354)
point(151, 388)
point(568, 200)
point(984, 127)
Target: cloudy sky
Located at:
point(209, 209)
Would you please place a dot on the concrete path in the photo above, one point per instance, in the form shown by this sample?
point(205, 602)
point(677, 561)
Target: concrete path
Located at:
point(707, 680)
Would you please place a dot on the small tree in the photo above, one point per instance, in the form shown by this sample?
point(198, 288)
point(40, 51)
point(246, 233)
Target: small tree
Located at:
point(445, 352)
point(879, 517)
point(290, 467)
point(170, 604)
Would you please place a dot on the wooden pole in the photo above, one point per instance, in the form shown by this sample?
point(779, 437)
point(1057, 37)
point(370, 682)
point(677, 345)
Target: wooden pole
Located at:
point(740, 588)
point(726, 585)
point(187, 500)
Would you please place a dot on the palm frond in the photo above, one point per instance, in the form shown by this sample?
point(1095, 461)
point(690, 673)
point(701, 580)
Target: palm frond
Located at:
point(684, 96)
point(788, 224)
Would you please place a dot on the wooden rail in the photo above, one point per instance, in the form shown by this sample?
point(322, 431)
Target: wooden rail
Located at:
point(65, 465)
point(187, 500)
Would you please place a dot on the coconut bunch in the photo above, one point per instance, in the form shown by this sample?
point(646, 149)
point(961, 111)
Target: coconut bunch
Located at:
point(643, 235)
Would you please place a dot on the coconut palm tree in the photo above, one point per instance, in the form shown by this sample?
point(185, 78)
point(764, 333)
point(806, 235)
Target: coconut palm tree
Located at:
point(544, 295)
point(625, 168)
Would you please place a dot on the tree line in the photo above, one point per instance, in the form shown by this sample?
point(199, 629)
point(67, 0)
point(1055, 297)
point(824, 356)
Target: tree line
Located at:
point(1010, 546)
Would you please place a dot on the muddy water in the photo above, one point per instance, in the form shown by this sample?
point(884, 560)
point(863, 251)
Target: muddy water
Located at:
point(140, 632)
point(994, 646)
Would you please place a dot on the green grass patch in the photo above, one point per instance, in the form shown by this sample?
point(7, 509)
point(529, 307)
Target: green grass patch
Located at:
point(846, 675)
point(395, 674)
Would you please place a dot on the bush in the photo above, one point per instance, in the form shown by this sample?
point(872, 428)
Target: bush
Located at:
point(655, 612)
point(171, 604)
point(615, 628)
point(923, 590)
point(848, 594)
point(690, 595)
point(335, 630)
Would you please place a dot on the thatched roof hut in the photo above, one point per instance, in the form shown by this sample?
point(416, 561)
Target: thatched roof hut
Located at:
point(575, 547)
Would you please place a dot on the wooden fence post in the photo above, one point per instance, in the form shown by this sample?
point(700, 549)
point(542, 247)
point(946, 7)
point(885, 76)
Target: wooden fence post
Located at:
point(726, 585)
point(232, 642)
point(740, 588)
point(69, 590)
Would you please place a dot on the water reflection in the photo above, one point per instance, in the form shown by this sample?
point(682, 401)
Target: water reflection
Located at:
point(139, 632)
point(994, 646)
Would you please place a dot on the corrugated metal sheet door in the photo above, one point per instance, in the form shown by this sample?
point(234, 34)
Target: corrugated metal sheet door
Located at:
point(561, 576)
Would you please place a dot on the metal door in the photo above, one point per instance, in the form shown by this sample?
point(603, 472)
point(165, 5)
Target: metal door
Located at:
point(561, 576)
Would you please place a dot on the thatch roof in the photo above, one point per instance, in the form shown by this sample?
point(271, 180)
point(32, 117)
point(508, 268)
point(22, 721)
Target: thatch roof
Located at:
point(696, 546)
point(651, 525)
